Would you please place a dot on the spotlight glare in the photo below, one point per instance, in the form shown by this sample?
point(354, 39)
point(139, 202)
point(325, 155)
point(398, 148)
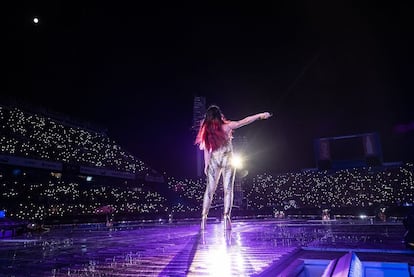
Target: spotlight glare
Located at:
point(35, 20)
point(237, 161)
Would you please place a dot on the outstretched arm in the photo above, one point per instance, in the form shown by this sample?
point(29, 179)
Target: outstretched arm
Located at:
point(248, 120)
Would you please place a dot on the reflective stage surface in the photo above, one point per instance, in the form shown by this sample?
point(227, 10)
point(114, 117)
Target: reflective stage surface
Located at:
point(180, 249)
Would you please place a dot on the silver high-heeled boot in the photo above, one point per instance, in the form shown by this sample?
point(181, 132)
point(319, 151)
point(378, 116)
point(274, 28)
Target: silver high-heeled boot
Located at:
point(227, 222)
point(203, 222)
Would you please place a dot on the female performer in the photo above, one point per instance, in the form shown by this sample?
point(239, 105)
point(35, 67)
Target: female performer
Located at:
point(214, 137)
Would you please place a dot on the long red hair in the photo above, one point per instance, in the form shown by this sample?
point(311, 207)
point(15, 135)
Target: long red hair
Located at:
point(211, 135)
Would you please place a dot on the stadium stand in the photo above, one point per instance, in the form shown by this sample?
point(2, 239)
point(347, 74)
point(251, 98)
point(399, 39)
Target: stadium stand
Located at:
point(54, 171)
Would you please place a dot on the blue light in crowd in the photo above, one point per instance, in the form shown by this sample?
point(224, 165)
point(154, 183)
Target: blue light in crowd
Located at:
point(16, 172)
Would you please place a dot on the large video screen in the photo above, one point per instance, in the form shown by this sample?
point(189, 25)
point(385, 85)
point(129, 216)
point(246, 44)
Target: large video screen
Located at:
point(347, 149)
point(351, 149)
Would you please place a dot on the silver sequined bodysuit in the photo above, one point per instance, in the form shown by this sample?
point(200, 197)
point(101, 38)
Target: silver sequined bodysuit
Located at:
point(220, 164)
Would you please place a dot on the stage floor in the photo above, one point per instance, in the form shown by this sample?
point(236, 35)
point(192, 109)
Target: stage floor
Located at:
point(181, 249)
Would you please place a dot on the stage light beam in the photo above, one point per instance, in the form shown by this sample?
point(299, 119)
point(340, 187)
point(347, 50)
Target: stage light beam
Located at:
point(237, 161)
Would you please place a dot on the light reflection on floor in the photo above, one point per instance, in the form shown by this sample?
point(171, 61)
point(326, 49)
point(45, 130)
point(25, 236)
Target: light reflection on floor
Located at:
point(180, 249)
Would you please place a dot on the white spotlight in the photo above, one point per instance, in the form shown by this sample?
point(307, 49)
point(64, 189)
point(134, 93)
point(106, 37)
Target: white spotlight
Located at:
point(237, 161)
point(35, 20)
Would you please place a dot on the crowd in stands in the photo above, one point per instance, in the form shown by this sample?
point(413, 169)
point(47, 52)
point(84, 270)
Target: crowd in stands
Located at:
point(38, 194)
point(37, 198)
point(30, 198)
point(362, 188)
point(36, 136)
point(347, 188)
point(358, 188)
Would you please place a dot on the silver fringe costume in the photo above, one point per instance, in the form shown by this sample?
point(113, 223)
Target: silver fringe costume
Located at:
point(219, 165)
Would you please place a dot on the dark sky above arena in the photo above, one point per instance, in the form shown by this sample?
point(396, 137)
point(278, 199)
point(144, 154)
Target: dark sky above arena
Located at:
point(324, 68)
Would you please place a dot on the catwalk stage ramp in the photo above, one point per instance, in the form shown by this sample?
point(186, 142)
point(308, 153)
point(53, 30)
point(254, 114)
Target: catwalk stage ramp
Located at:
point(254, 247)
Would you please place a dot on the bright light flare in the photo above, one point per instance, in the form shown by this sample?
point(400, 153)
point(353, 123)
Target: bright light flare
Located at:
point(237, 161)
point(35, 20)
